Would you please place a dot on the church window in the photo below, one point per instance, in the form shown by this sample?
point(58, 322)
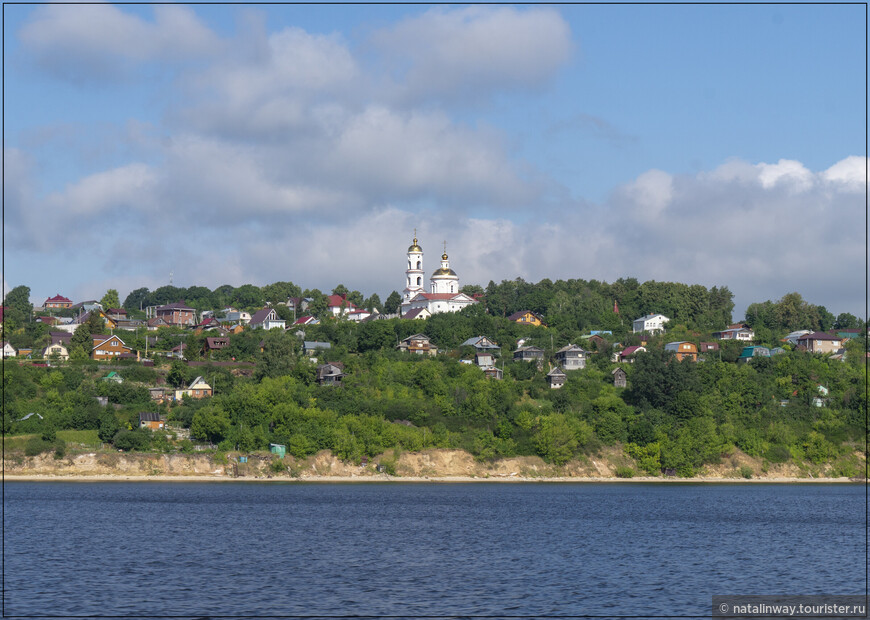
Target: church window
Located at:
point(419, 265)
point(419, 281)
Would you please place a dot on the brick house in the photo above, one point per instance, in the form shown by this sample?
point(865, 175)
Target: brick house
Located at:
point(178, 313)
point(58, 301)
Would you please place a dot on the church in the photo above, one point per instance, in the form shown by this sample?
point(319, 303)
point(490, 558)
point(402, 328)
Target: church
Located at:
point(443, 294)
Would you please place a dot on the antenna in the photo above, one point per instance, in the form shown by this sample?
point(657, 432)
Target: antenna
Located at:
point(170, 278)
point(445, 246)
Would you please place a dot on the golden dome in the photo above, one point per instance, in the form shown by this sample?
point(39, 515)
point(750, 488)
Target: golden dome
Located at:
point(415, 247)
point(444, 256)
point(444, 272)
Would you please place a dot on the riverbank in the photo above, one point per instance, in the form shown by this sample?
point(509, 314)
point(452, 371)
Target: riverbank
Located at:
point(429, 466)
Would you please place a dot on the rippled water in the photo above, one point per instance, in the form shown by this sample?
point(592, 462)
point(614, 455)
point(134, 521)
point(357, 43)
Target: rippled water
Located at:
point(423, 549)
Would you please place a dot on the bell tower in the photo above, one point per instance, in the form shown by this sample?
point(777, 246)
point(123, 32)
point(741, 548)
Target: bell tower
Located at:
point(413, 274)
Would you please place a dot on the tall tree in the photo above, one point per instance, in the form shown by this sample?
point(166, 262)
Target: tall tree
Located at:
point(394, 301)
point(136, 298)
point(18, 305)
point(110, 299)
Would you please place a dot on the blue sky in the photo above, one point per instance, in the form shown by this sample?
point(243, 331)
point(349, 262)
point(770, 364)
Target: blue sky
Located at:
point(720, 145)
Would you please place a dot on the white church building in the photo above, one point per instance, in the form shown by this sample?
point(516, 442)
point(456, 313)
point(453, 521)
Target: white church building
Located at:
point(443, 294)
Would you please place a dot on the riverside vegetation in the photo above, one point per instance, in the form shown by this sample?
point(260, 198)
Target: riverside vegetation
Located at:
point(675, 417)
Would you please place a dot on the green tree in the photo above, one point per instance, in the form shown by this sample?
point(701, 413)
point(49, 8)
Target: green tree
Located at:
point(248, 296)
point(136, 299)
point(210, 423)
point(18, 307)
point(394, 301)
point(278, 354)
point(373, 303)
point(110, 299)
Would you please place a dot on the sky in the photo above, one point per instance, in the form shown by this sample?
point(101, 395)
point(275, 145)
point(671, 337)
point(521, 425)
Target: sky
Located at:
point(721, 145)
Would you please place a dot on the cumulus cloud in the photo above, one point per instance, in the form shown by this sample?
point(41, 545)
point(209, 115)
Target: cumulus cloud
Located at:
point(88, 41)
point(449, 53)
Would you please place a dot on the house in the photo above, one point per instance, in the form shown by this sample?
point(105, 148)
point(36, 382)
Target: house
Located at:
point(744, 334)
point(159, 394)
point(311, 346)
point(178, 313)
point(306, 320)
point(231, 315)
point(417, 313)
point(266, 319)
point(483, 360)
point(556, 378)
point(57, 350)
point(820, 342)
point(437, 303)
point(683, 350)
point(207, 325)
point(47, 320)
point(493, 373)
point(214, 344)
point(528, 354)
point(7, 350)
point(25, 352)
point(58, 301)
point(87, 306)
point(749, 352)
point(298, 304)
point(330, 373)
point(527, 317)
point(571, 357)
point(649, 323)
point(628, 354)
point(151, 419)
point(85, 317)
point(108, 347)
point(595, 339)
point(153, 324)
point(705, 347)
point(177, 351)
point(481, 343)
point(338, 305)
point(129, 325)
point(792, 338)
point(619, 377)
point(419, 344)
point(358, 315)
point(117, 313)
point(114, 377)
point(197, 389)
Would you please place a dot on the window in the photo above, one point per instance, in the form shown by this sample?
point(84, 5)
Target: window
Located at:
point(419, 281)
point(419, 264)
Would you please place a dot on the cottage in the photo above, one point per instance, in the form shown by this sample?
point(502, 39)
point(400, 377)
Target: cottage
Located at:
point(820, 342)
point(419, 344)
point(741, 333)
point(628, 354)
point(527, 317)
point(649, 323)
point(153, 324)
point(56, 350)
point(208, 324)
point(306, 320)
point(58, 301)
point(197, 389)
point(7, 350)
point(417, 313)
point(330, 373)
point(683, 350)
point(528, 354)
point(749, 352)
point(151, 419)
point(481, 343)
point(108, 347)
point(556, 378)
point(266, 319)
point(706, 347)
point(231, 315)
point(619, 377)
point(571, 357)
point(159, 394)
point(117, 313)
point(214, 344)
point(483, 360)
point(493, 372)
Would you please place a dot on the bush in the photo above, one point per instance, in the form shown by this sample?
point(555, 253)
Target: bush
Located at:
point(186, 446)
point(59, 448)
point(139, 439)
point(778, 454)
point(36, 445)
point(625, 472)
point(746, 471)
point(278, 465)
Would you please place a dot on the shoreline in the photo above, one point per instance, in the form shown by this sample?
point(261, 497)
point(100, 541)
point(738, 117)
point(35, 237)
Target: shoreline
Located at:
point(419, 479)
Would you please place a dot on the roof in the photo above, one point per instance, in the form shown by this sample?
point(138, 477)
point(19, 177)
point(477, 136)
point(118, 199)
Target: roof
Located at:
point(570, 348)
point(314, 344)
point(198, 381)
point(416, 337)
point(334, 301)
point(413, 314)
point(556, 372)
point(178, 305)
point(261, 315)
point(439, 296)
point(521, 313)
point(149, 416)
point(480, 342)
point(630, 351)
point(819, 336)
point(529, 348)
point(59, 298)
point(305, 320)
point(217, 343)
point(647, 317)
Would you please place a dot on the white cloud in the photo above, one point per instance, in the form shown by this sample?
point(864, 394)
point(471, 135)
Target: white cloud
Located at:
point(87, 41)
point(789, 173)
point(476, 50)
point(849, 173)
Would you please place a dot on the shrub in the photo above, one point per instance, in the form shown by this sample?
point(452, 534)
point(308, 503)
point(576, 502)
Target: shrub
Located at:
point(139, 439)
point(278, 465)
point(625, 472)
point(59, 448)
point(36, 445)
point(778, 454)
point(746, 471)
point(186, 446)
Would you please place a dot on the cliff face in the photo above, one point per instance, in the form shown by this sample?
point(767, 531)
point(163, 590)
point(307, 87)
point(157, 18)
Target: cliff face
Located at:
point(429, 464)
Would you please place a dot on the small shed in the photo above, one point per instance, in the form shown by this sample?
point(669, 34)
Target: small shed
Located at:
point(150, 419)
point(619, 377)
point(279, 449)
point(556, 378)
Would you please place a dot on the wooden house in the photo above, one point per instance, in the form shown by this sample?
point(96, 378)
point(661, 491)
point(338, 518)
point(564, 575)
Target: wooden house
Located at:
point(571, 357)
point(528, 354)
point(330, 373)
point(198, 388)
point(556, 378)
point(619, 377)
point(683, 350)
point(419, 344)
point(527, 317)
point(151, 419)
point(108, 347)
